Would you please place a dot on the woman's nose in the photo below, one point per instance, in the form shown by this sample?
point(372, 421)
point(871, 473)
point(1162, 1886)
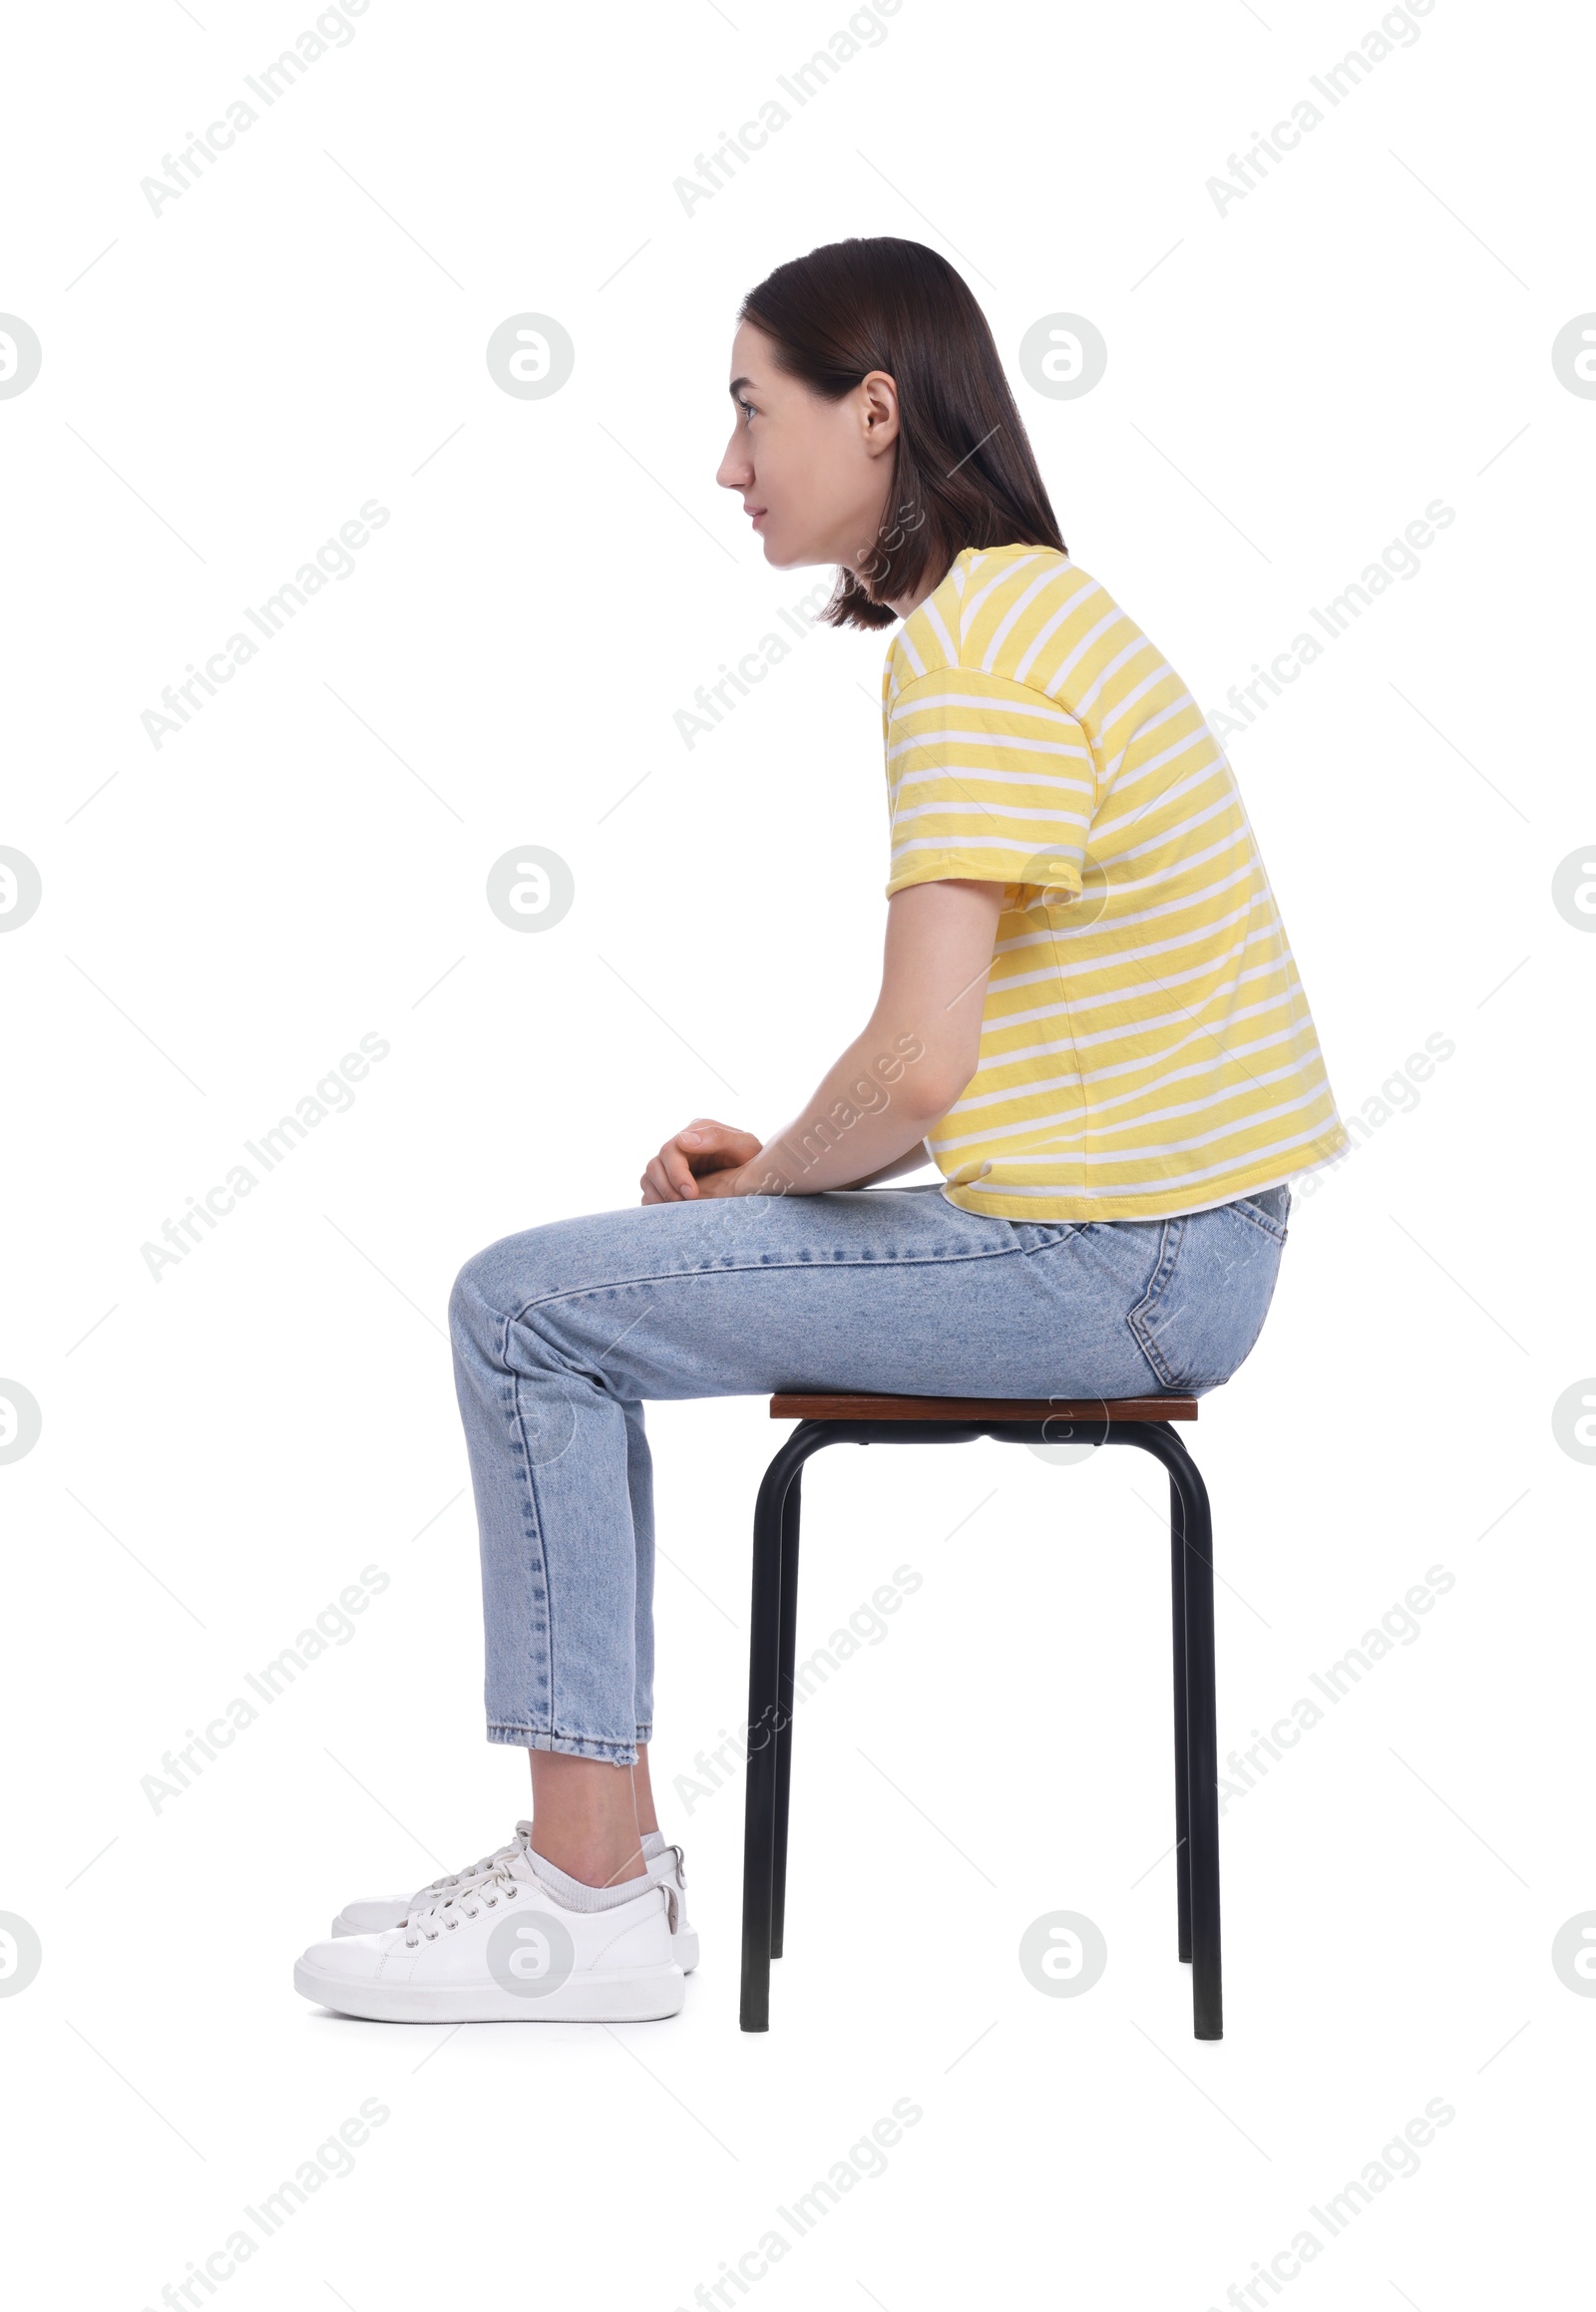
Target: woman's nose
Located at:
point(736, 472)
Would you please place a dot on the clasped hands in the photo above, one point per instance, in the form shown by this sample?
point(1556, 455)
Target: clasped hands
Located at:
point(705, 1158)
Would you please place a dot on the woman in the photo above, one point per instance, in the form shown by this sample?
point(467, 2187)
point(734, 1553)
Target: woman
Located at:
point(1088, 1015)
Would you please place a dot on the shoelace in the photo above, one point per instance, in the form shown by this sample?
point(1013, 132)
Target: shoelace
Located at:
point(468, 1903)
point(459, 1882)
point(471, 1902)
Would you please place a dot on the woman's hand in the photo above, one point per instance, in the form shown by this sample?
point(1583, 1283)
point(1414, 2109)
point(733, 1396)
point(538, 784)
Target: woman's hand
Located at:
point(702, 1151)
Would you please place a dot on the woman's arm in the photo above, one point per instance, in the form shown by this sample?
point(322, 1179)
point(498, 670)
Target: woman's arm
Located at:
point(904, 1071)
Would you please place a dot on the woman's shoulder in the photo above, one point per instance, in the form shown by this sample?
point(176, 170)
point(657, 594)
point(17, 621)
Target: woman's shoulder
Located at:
point(992, 613)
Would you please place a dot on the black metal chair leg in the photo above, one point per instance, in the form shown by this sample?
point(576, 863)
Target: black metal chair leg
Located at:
point(1196, 1578)
point(765, 1713)
point(759, 1801)
point(787, 1702)
point(1202, 1748)
point(1177, 1600)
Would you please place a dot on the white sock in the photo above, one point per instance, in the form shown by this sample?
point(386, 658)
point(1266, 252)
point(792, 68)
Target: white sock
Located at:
point(577, 1895)
point(653, 1842)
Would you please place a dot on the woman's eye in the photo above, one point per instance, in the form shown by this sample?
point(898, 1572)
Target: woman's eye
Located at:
point(746, 407)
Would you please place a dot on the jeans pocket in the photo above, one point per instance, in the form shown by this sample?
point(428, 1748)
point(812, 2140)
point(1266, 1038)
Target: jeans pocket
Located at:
point(1209, 1293)
point(1268, 1210)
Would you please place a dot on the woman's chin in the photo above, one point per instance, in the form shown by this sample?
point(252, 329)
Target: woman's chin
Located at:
point(784, 552)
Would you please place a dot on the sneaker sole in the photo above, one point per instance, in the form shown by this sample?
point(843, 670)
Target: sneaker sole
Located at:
point(686, 1943)
point(643, 1996)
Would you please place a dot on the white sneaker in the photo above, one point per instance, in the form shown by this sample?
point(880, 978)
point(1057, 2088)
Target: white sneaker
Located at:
point(374, 1914)
point(506, 1949)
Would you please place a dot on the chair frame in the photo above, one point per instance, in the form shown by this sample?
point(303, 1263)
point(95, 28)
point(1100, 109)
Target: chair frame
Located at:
point(772, 1651)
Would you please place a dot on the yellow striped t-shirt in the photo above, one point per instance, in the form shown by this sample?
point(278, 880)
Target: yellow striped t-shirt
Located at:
point(1147, 1045)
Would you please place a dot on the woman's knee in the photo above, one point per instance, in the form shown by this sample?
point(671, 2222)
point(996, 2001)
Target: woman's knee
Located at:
point(487, 1294)
point(498, 1285)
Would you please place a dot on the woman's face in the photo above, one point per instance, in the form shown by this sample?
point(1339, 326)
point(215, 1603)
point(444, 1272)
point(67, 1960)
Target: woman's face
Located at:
point(813, 473)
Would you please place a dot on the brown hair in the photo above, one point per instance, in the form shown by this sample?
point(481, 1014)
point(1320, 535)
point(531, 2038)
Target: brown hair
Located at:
point(964, 473)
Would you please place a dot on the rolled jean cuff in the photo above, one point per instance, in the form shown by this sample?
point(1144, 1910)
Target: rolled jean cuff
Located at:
point(525, 1737)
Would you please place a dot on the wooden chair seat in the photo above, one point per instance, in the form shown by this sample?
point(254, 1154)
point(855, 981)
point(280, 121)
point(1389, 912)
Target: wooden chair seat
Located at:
point(787, 1405)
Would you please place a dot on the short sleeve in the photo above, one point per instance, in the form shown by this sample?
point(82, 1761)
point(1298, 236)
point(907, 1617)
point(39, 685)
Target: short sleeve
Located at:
point(987, 780)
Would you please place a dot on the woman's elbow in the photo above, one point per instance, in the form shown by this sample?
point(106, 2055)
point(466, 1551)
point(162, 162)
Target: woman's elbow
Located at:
point(928, 1090)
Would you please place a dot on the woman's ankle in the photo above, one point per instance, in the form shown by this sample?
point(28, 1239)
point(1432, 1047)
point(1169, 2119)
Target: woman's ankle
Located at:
point(642, 1793)
point(593, 1861)
point(585, 1819)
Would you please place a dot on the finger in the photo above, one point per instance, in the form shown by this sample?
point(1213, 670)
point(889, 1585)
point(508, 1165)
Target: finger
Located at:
point(672, 1173)
point(717, 1144)
point(655, 1178)
point(677, 1169)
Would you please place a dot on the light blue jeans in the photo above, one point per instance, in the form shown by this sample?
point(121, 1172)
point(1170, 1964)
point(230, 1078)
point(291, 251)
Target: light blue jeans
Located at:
point(560, 1333)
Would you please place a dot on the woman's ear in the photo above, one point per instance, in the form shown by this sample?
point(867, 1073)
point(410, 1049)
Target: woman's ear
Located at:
point(879, 411)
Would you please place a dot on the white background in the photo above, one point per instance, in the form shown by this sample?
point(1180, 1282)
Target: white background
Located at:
point(1288, 385)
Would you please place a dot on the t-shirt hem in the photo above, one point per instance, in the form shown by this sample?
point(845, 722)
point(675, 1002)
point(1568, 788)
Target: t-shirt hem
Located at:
point(955, 867)
point(995, 1205)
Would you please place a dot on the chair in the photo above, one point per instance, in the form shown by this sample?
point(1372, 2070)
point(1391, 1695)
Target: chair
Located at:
point(910, 1421)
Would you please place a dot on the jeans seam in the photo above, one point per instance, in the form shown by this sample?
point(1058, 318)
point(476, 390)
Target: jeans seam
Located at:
point(1168, 1255)
point(532, 1526)
point(752, 1268)
point(545, 1738)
